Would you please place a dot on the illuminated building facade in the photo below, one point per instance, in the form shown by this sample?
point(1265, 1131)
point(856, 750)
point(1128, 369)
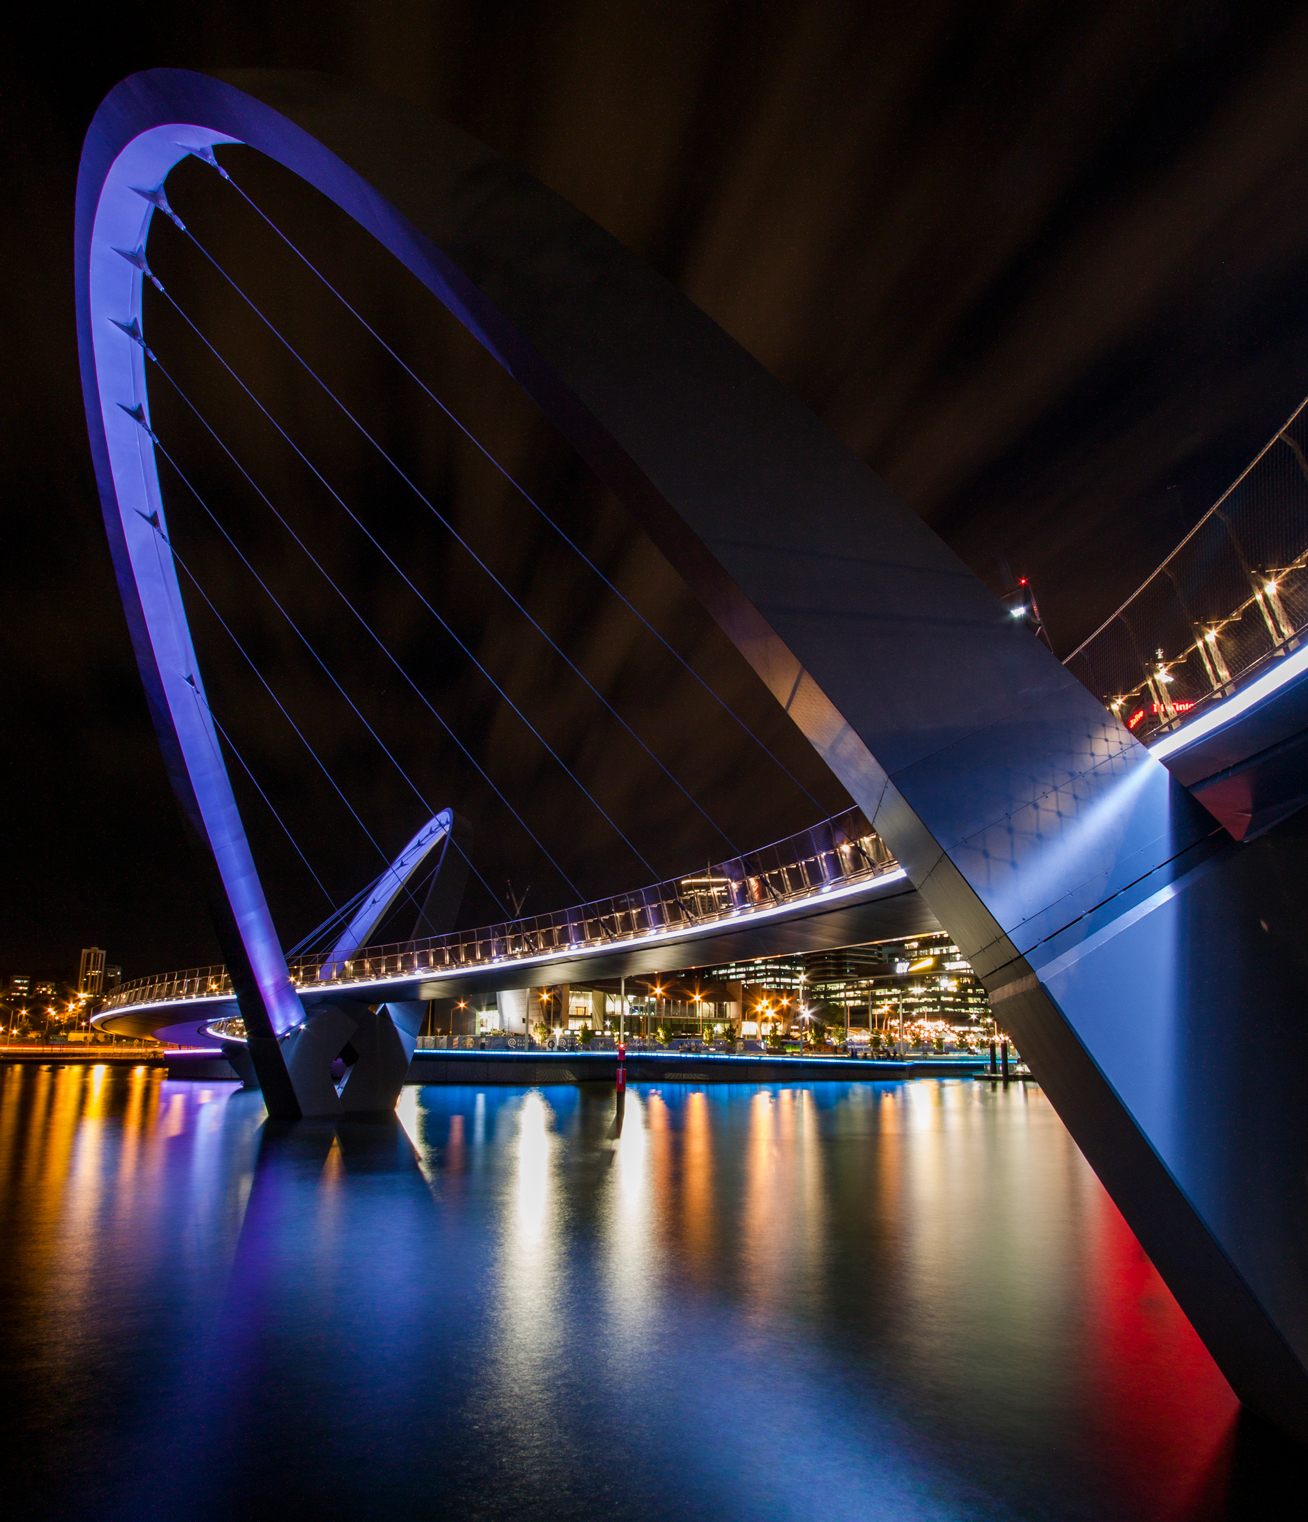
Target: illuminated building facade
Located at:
point(857, 987)
point(90, 972)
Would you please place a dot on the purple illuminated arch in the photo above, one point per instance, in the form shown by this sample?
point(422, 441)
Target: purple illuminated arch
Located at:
point(144, 127)
point(438, 831)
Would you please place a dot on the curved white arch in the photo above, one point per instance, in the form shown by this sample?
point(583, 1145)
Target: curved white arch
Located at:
point(387, 889)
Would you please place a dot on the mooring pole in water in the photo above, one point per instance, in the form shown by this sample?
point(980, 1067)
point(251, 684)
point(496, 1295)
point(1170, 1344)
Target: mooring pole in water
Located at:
point(1003, 1055)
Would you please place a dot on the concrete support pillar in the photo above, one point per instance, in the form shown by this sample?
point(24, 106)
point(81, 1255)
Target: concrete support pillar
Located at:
point(310, 1051)
point(238, 1054)
point(383, 1048)
point(512, 1005)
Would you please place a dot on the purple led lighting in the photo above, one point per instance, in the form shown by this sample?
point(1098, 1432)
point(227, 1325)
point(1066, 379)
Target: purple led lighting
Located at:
point(113, 215)
point(143, 128)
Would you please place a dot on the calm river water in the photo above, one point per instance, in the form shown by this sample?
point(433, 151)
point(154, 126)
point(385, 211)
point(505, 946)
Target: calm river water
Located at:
point(880, 1300)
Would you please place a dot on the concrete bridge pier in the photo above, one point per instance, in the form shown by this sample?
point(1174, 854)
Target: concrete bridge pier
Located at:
point(309, 1053)
point(382, 1046)
point(514, 1007)
point(377, 1044)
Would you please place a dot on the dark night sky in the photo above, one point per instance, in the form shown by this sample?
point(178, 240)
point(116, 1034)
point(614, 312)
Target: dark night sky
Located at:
point(1044, 266)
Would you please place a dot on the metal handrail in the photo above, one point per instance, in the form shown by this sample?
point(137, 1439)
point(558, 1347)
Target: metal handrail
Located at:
point(835, 853)
point(1227, 602)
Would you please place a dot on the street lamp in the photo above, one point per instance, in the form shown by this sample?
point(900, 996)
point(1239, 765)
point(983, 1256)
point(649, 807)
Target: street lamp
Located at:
point(761, 1009)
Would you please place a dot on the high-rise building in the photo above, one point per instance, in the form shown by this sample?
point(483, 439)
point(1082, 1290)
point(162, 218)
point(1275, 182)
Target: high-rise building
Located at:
point(935, 984)
point(90, 974)
point(865, 987)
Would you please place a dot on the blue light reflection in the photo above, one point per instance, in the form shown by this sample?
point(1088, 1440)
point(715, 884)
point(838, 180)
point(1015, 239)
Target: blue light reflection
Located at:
point(891, 1300)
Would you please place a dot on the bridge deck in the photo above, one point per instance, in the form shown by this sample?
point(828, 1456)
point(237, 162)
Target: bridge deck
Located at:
point(866, 907)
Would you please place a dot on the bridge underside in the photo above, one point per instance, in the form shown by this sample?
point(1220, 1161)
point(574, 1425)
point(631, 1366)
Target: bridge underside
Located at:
point(1247, 760)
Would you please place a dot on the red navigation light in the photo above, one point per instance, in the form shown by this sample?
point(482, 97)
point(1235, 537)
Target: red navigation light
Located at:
point(1021, 581)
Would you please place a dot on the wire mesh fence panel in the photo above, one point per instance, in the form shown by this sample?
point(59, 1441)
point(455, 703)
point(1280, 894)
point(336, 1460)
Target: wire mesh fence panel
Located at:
point(1229, 600)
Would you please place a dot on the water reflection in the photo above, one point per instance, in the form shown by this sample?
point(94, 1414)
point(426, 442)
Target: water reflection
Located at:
point(697, 1212)
point(528, 1284)
point(846, 1300)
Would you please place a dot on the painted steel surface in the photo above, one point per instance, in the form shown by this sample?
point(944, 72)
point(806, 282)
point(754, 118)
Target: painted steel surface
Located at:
point(1087, 888)
point(113, 219)
point(389, 886)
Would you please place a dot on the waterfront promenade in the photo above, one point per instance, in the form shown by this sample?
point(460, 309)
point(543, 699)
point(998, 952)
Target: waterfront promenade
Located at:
point(538, 1067)
point(194, 1062)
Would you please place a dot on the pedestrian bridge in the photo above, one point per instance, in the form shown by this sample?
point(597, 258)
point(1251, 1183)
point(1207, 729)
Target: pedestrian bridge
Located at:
point(833, 885)
point(1136, 913)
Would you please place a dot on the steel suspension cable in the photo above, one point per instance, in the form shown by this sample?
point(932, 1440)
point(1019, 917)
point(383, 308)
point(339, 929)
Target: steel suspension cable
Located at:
point(381, 550)
point(334, 920)
point(206, 155)
point(454, 533)
point(302, 637)
point(1278, 437)
point(245, 766)
point(191, 576)
point(363, 622)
